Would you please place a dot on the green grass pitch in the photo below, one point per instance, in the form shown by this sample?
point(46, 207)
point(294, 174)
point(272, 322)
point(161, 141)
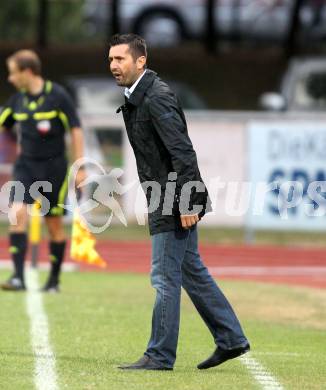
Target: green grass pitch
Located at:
point(101, 320)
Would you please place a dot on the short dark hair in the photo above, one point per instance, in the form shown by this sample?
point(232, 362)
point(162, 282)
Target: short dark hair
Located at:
point(26, 59)
point(137, 44)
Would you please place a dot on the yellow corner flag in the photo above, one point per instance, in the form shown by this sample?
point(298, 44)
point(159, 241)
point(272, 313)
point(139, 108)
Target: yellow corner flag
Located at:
point(82, 244)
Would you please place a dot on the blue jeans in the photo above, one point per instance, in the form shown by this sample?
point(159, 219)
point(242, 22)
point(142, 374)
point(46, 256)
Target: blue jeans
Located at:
point(175, 263)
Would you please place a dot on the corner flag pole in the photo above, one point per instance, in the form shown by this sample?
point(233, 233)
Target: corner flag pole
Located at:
point(35, 232)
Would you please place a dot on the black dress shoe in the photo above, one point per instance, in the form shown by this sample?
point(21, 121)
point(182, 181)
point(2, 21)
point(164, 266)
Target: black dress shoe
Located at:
point(144, 363)
point(221, 355)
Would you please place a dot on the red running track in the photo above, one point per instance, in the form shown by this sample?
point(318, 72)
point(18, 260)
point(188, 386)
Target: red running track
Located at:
point(295, 265)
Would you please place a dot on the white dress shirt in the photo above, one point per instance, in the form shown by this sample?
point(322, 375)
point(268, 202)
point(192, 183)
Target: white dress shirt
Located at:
point(129, 91)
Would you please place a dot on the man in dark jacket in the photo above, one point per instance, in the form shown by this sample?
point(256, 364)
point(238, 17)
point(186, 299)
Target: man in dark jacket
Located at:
point(177, 199)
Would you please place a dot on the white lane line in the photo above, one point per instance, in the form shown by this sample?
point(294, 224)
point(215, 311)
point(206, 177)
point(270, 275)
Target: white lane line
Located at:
point(269, 270)
point(45, 376)
point(262, 376)
point(68, 266)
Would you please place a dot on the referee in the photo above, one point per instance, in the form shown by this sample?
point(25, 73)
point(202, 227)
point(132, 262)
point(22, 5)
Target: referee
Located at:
point(44, 112)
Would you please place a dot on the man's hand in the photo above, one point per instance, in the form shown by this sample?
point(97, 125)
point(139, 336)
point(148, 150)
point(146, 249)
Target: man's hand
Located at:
point(80, 177)
point(189, 220)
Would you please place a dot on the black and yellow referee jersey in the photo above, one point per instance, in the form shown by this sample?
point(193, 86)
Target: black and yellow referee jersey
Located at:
point(43, 120)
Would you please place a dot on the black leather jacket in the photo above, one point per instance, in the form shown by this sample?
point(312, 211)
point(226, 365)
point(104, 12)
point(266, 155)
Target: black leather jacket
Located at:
point(157, 132)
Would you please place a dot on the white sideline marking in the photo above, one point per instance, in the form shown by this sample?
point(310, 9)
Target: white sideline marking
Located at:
point(289, 354)
point(262, 376)
point(45, 376)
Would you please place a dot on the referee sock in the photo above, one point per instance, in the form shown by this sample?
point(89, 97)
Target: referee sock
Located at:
point(18, 246)
point(57, 251)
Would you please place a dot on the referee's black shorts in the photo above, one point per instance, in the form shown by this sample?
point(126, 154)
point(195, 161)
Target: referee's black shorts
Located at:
point(31, 172)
